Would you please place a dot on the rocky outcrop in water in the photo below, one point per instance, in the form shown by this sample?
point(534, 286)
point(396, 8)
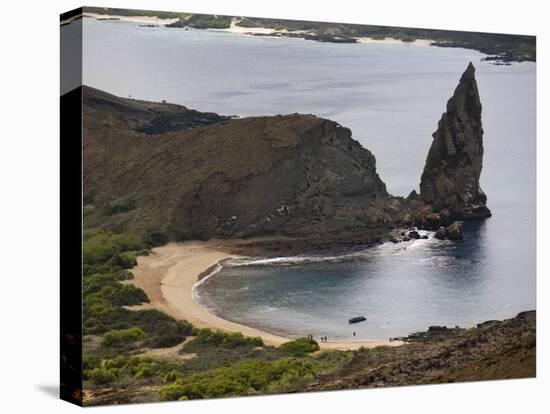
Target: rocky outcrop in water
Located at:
point(450, 180)
point(200, 175)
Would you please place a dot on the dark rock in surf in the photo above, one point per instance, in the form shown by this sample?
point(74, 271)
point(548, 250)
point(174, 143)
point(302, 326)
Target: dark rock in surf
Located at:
point(441, 233)
point(454, 231)
point(432, 221)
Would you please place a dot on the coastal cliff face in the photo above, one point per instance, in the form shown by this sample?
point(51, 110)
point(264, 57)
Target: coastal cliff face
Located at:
point(295, 175)
point(201, 175)
point(451, 175)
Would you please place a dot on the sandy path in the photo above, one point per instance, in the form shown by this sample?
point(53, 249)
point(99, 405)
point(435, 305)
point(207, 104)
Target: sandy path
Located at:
point(168, 274)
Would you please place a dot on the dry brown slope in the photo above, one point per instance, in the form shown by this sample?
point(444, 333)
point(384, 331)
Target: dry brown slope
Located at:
point(293, 175)
point(494, 350)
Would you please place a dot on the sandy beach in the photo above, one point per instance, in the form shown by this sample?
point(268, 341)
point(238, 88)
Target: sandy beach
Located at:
point(133, 19)
point(391, 40)
point(169, 273)
point(235, 28)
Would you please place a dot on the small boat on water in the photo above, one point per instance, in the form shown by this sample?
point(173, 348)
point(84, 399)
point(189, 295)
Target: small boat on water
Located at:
point(357, 319)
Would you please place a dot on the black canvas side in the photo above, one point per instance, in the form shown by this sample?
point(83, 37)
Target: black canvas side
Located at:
point(71, 246)
point(71, 14)
point(71, 211)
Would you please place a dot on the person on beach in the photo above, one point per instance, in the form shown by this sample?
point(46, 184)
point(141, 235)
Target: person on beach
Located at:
point(353, 333)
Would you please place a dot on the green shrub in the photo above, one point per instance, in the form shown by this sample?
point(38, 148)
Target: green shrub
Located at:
point(163, 330)
point(118, 362)
point(99, 268)
point(165, 340)
point(142, 367)
point(90, 362)
point(300, 346)
point(331, 360)
point(207, 21)
point(100, 246)
point(120, 206)
point(221, 339)
point(154, 238)
point(100, 376)
point(128, 295)
point(171, 376)
point(172, 392)
point(380, 349)
point(123, 275)
point(125, 260)
point(123, 336)
point(116, 294)
point(407, 39)
point(247, 23)
point(242, 378)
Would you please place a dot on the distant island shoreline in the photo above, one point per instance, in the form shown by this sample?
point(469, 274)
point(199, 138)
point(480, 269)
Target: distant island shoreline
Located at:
point(499, 48)
point(254, 31)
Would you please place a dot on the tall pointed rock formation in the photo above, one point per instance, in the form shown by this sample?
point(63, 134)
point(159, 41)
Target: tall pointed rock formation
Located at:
point(451, 175)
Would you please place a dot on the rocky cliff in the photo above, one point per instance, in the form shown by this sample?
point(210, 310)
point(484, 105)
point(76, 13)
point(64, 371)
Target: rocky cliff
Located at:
point(200, 175)
point(450, 180)
point(295, 175)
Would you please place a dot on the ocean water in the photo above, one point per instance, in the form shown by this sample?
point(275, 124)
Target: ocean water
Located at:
point(391, 97)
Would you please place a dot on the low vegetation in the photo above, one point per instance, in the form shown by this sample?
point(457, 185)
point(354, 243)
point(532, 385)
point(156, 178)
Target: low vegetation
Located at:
point(215, 338)
point(243, 378)
point(203, 21)
point(123, 337)
point(300, 346)
point(106, 258)
point(118, 367)
point(133, 12)
point(221, 363)
point(206, 21)
point(120, 206)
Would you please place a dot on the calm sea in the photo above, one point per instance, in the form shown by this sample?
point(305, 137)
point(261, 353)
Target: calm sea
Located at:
point(391, 96)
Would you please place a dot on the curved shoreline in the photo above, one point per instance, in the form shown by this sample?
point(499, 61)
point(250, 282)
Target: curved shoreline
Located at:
point(169, 274)
point(250, 31)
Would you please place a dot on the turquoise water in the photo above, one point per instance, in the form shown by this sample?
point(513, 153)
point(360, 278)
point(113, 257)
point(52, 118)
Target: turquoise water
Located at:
point(391, 96)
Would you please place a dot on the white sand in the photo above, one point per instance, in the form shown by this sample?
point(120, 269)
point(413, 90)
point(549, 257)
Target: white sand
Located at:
point(391, 40)
point(134, 19)
point(234, 28)
point(168, 276)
